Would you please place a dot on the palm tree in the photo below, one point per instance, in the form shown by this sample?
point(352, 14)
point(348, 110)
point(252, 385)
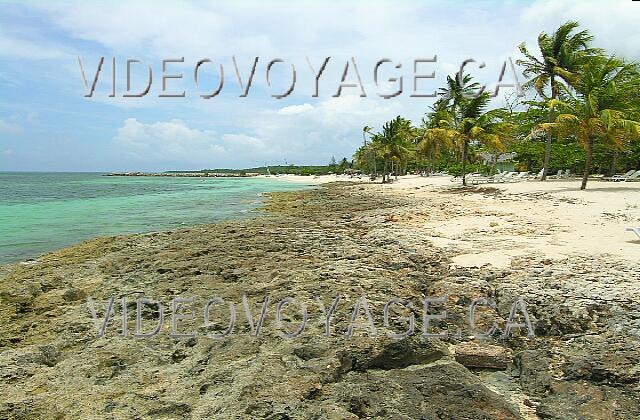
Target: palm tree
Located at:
point(454, 97)
point(393, 143)
point(432, 140)
point(365, 130)
point(561, 55)
point(480, 126)
point(602, 108)
point(370, 152)
point(431, 143)
point(458, 89)
point(467, 119)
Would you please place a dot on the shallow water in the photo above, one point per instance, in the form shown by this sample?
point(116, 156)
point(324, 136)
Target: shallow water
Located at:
point(41, 212)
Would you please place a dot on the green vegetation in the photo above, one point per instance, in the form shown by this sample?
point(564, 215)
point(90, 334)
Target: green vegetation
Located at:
point(344, 166)
point(584, 116)
point(561, 56)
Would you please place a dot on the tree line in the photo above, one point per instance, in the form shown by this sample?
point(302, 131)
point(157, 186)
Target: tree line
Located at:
point(582, 114)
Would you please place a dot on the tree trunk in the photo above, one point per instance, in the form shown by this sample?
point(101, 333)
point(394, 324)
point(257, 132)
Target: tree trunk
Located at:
point(547, 158)
point(614, 163)
point(464, 162)
point(587, 166)
point(364, 139)
point(547, 147)
point(384, 171)
point(432, 161)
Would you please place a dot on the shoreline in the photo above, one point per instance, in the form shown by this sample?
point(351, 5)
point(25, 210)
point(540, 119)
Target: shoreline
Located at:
point(311, 179)
point(244, 199)
point(410, 239)
point(614, 203)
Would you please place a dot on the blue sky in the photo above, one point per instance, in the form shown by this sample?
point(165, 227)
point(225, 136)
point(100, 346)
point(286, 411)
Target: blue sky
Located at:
point(47, 124)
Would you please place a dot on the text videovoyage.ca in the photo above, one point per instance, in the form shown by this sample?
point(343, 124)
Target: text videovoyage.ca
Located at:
point(432, 312)
point(134, 78)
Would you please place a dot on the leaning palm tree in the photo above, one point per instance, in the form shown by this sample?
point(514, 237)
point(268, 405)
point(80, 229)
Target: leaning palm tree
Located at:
point(603, 108)
point(370, 150)
point(561, 55)
point(365, 130)
point(360, 157)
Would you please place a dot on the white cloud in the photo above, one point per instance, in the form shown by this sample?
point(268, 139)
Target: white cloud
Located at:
point(295, 109)
point(613, 23)
point(160, 28)
point(9, 127)
point(174, 141)
point(14, 47)
point(243, 141)
point(311, 133)
point(164, 140)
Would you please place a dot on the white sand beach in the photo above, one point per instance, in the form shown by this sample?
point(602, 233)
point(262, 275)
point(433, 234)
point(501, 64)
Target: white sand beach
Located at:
point(553, 218)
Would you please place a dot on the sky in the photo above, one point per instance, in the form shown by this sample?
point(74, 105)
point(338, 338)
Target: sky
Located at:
point(48, 124)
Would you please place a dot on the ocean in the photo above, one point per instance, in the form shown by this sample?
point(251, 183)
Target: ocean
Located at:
point(41, 212)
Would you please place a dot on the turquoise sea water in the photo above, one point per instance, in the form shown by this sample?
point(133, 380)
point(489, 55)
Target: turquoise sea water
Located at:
point(41, 212)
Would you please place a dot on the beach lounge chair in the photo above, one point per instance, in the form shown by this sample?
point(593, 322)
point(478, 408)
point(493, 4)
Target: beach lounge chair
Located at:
point(558, 175)
point(458, 178)
point(503, 177)
point(635, 230)
point(471, 178)
point(481, 179)
point(616, 178)
point(563, 174)
point(510, 177)
point(539, 175)
point(633, 177)
point(521, 176)
point(475, 180)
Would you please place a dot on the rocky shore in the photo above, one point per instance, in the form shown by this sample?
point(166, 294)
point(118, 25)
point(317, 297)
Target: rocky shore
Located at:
point(347, 240)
